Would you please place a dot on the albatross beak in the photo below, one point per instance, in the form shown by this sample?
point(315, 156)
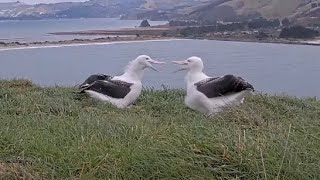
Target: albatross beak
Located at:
point(184, 62)
point(154, 62)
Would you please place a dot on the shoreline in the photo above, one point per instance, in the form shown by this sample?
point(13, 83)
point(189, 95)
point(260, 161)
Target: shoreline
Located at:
point(89, 42)
point(268, 41)
point(141, 35)
point(79, 42)
point(174, 32)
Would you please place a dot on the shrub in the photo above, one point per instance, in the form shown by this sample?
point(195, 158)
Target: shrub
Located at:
point(298, 32)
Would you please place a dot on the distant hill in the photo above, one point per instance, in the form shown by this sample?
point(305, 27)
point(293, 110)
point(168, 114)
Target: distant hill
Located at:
point(229, 10)
point(170, 4)
point(19, 10)
point(89, 9)
point(203, 10)
point(238, 9)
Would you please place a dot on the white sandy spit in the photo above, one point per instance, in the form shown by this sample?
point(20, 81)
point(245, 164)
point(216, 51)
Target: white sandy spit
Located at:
point(86, 44)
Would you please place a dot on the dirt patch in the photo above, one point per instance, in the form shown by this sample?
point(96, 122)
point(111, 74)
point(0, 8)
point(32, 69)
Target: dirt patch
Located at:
point(21, 84)
point(16, 171)
point(2, 169)
point(17, 84)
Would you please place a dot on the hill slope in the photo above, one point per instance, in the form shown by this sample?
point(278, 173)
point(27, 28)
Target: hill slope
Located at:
point(51, 133)
point(166, 9)
point(226, 9)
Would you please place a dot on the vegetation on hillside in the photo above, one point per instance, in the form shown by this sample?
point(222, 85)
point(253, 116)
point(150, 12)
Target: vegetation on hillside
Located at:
point(263, 23)
point(235, 10)
point(254, 24)
point(298, 32)
point(54, 133)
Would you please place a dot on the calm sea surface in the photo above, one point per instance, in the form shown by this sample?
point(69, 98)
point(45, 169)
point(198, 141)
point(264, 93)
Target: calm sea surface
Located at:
point(37, 30)
point(271, 68)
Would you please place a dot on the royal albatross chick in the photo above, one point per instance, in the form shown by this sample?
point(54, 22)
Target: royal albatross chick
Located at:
point(210, 95)
point(121, 91)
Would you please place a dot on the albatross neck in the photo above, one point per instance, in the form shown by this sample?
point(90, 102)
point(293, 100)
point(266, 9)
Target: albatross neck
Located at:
point(195, 76)
point(134, 73)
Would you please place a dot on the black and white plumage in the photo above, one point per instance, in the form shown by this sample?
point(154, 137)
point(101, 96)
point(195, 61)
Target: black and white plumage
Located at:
point(210, 95)
point(112, 88)
point(121, 91)
point(221, 86)
point(91, 79)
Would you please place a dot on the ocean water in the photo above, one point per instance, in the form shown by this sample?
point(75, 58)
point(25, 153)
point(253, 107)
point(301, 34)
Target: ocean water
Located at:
point(271, 68)
point(38, 30)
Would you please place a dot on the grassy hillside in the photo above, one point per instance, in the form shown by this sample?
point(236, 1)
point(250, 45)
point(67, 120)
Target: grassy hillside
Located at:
point(169, 4)
point(273, 8)
point(224, 9)
point(267, 8)
point(55, 133)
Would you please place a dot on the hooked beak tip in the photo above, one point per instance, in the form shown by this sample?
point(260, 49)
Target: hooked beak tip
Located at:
point(156, 62)
point(153, 68)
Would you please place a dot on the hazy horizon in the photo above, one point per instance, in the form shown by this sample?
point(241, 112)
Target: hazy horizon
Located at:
point(41, 1)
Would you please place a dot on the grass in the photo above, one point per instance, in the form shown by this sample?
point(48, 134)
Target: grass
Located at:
point(53, 133)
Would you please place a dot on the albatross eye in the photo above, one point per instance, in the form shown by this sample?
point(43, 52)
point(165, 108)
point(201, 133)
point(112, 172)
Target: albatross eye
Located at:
point(147, 58)
point(188, 60)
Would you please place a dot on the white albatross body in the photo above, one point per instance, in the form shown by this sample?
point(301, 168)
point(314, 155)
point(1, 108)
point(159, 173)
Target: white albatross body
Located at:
point(200, 102)
point(120, 91)
point(203, 92)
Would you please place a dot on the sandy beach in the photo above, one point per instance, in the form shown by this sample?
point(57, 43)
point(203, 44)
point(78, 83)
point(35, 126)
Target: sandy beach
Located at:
point(59, 45)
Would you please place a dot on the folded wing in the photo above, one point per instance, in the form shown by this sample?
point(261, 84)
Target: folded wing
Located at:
point(91, 79)
point(215, 87)
point(112, 88)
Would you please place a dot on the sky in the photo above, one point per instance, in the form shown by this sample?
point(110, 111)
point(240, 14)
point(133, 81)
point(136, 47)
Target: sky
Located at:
point(41, 1)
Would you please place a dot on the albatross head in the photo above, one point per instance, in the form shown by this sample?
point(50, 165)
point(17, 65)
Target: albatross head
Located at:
point(135, 69)
point(142, 62)
point(193, 64)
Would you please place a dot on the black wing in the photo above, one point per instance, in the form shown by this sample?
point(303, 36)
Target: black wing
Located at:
point(94, 78)
point(113, 88)
point(214, 87)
